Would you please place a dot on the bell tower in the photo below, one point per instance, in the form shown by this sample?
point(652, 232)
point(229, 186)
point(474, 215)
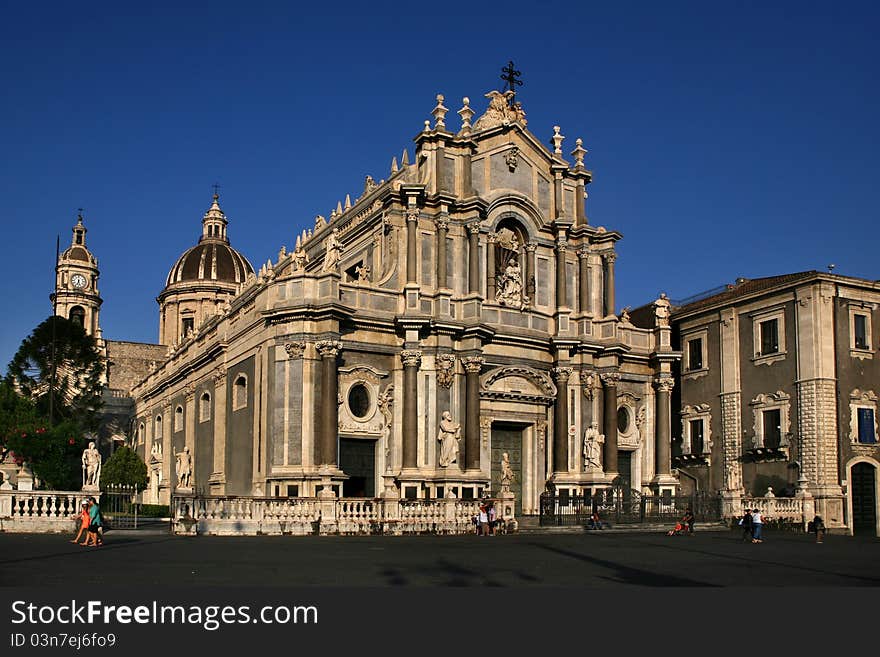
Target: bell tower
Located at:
point(76, 295)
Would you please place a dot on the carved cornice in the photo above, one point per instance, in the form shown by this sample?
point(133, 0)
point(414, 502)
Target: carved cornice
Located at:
point(294, 349)
point(863, 395)
point(536, 377)
point(328, 348)
point(411, 357)
point(777, 397)
point(473, 364)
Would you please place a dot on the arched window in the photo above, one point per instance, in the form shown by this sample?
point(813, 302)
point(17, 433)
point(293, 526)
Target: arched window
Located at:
point(239, 392)
point(158, 424)
point(141, 433)
point(178, 418)
point(205, 407)
point(78, 315)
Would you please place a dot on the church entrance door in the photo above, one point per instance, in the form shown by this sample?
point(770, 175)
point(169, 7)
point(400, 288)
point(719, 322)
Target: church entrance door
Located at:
point(357, 459)
point(864, 499)
point(508, 438)
point(624, 467)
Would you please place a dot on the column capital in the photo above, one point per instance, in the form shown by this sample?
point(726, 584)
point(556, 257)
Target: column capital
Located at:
point(294, 349)
point(473, 364)
point(474, 228)
point(411, 357)
point(664, 384)
point(413, 213)
point(491, 238)
point(328, 348)
point(561, 245)
point(219, 377)
point(609, 257)
point(442, 222)
point(189, 392)
point(610, 379)
point(583, 252)
point(561, 374)
point(531, 247)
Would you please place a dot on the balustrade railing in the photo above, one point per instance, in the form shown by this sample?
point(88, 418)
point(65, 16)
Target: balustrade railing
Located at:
point(40, 511)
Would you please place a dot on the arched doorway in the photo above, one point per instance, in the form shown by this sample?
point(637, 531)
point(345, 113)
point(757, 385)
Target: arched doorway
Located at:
point(863, 490)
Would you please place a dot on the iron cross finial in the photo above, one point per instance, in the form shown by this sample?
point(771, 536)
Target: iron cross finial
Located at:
point(510, 77)
point(216, 193)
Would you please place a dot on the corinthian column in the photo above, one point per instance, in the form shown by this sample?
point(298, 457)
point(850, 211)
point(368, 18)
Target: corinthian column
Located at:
point(474, 258)
point(472, 367)
point(412, 359)
point(442, 228)
point(412, 231)
point(662, 432)
point(329, 429)
point(609, 257)
point(529, 284)
point(560, 419)
point(584, 280)
point(491, 267)
point(609, 421)
point(561, 290)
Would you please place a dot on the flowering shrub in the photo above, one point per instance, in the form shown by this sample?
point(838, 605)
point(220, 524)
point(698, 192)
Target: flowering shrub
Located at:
point(53, 454)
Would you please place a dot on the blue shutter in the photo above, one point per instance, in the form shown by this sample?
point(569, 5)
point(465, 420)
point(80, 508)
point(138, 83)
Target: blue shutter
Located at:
point(866, 425)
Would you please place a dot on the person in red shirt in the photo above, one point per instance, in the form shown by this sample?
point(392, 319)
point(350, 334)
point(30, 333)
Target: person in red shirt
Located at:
point(84, 521)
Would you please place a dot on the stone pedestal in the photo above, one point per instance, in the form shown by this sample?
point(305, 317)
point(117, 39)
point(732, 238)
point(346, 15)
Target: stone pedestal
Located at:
point(731, 504)
point(5, 502)
point(507, 509)
point(327, 506)
point(26, 478)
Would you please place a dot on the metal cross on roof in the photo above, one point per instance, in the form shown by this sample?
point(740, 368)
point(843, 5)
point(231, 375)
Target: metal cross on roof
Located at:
point(216, 187)
point(510, 77)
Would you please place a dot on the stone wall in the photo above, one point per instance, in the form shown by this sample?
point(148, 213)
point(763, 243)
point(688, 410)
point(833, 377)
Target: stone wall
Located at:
point(130, 362)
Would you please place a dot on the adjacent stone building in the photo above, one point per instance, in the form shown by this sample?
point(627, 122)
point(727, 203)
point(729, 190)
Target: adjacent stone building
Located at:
point(457, 313)
point(778, 389)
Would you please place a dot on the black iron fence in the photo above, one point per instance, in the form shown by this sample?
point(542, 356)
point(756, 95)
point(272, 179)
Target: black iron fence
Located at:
point(626, 506)
point(121, 509)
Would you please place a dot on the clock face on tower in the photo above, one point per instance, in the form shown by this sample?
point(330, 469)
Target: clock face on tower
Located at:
point(78, 281)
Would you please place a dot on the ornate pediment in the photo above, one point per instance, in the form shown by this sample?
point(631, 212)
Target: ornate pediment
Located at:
point(523, 383)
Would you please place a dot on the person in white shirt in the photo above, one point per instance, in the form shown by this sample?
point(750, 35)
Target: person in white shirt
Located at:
point(757, 524)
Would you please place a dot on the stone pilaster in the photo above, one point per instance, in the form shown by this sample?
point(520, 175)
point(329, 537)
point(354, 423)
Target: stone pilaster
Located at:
point(412, 359)
point(817, 421)
point(530, 273)
point(609, 258)
point(561, 289)
point(584, 281)
point(329, 427)
point(609, 422)
point(490, 267)
point(731, 439)
point(412, 233)
point(442, 224)
point(560, 420)
point(472, 366)
point(474, 257)
point(663, 429)
point(218, 477)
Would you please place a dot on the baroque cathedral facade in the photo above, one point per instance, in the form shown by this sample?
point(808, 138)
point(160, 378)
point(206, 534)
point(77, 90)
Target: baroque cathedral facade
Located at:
point(455, 318)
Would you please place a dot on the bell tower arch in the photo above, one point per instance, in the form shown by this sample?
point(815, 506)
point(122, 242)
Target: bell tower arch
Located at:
point(76, 296)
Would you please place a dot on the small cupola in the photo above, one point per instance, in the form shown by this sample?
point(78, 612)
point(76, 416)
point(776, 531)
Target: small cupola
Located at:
point(214, 223)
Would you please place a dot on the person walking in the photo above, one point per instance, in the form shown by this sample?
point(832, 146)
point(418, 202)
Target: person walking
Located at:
point(95, 537)
point(83, 520)
point(484, 520)
point(746, 523)
point(818, 528)
point(757, 525)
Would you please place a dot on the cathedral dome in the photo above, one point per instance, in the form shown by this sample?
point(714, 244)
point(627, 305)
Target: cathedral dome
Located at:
point(212, 259)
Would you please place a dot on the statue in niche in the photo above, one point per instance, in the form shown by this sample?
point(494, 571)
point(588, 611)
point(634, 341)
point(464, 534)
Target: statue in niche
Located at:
point(332, 251)
point(507, 475)
point(363, 273)
point(448, 437)
point(184, 469)
point(91, 466)
point(592, 449)
point(510, 285)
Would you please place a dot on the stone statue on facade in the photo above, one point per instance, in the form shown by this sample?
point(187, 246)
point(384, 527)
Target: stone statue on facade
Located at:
point(662, 310)
point(332, 251)
point(299, 259)
point(500, 111)
point(448, 437)
point(363, 273)
point(507, 475)
point(510, 285)
point(91, 467)
point(592, 450)
point(184, 469)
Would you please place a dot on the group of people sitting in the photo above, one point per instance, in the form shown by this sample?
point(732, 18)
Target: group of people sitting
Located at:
point(90, 523)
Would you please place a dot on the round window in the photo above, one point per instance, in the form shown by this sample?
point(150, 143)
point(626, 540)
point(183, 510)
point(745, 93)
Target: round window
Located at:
point(622, 419)
point(359, 400)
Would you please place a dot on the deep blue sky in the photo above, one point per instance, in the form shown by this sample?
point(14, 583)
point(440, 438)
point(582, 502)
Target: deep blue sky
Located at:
point(726, 139)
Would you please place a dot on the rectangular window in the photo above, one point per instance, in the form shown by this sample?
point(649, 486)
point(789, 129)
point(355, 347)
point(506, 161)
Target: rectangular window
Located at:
point(695, 354)
point(860, 329)
point(772, 428)
point(187, 326)
point(696, 436)
point(770, 336)
point(866, 426)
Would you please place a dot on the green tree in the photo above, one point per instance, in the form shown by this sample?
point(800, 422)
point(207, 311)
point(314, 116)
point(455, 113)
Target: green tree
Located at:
point(78, 371)
point(124, 468)
point(54, 454)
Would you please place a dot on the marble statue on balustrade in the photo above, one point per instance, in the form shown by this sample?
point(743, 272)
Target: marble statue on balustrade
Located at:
point(662, 310)
point(4, 482)
point(592, 447)
point(184, 469)
point(448, 437)
point(91, 467)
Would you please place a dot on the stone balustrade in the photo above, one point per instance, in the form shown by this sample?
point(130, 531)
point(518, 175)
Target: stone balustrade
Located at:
point(231, 515)
point(40, 511)
point(792, 509)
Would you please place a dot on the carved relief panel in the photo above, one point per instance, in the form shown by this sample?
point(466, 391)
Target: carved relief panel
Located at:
point(361, 391)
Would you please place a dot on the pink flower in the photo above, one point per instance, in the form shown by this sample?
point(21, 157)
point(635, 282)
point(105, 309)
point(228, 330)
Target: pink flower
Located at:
point(71, 442)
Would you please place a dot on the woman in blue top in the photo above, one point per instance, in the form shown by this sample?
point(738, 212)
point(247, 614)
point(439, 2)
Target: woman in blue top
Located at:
point(95, 525)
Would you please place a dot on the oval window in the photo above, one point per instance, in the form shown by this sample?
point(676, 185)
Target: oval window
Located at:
point(359, 400)
point(622, 419)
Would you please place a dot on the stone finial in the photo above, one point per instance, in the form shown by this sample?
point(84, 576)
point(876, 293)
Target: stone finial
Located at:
point(394, 167)
point(427, 126)
point(282, 252)
point(348, 202)
point(338, 207)
point(404, 159)
point(466, 114)
point(439, 113)
point(557, 140)
point(578, 153)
